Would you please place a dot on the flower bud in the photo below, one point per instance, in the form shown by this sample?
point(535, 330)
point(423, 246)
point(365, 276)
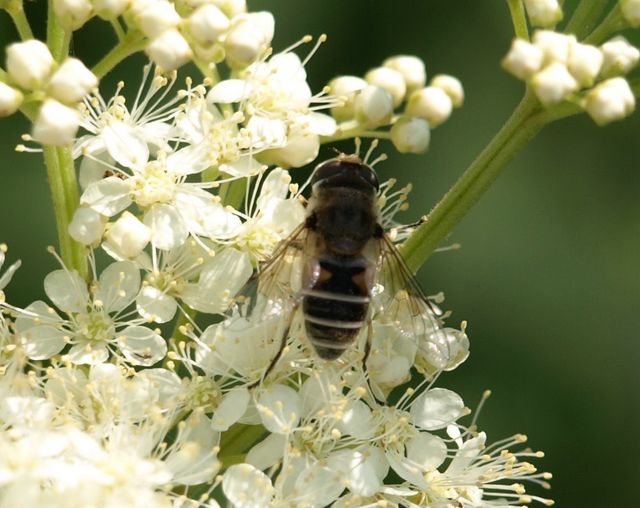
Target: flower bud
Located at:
point(411, 68)
point(29, 63)
point(431, 103)
point(72, 14)
point(169, 50)
point(157, 18)
point(10, 100)
point(110, 9)
point(553, 84)
point(609, 101)
point(411, 135)
point(619, 57)
point(373, 106)
point(87, 226)
point(523, 60)
point(207, 24)
point(249, 36)
point(231, 8)
point(128, 236)
point(345, 87)
point(71, 82)
point(554, 45)
point(56, 124)
point(544, 13)
point(451, 86)
point(584, 63)
point(392, 81)
point(631, 11)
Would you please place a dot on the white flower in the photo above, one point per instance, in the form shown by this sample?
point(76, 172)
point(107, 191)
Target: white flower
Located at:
point(631, 11)
point(10, 100)
point(373, 106)
point(247, 487)
point(93, 327)
point(169, 50)
point(345, 89)
point(56, 124)
point(411, 68)
point(451, 86)
point(411, 135)
point(110, 9)
point(554, 45)
point(390, 80)
point(611, 100)
point(553, 84)
point(523, 60)
point(584, 62)
point(207, 24)
point(29, 63)
point(87, 226)
point(157, 17)
point(127, 237)
point(71, 81)
point(248, 38)
point(431, 103)
point(544, 13)
point(619, 57)
point(72, 14)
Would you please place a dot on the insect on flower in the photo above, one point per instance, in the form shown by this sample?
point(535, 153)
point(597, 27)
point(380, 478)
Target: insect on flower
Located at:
point(342, 270)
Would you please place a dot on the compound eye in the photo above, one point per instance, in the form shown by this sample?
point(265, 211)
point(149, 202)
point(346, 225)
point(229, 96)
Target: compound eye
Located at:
point(326, 170)
point(370, 176)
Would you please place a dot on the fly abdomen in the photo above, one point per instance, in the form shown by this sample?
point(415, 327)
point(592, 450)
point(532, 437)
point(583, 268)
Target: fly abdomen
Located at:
point(335, 308)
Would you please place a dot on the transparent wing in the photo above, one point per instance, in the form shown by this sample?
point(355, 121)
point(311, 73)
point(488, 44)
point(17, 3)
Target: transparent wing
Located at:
point(411, 323)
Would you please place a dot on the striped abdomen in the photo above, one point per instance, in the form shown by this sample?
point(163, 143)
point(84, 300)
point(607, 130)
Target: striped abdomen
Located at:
point(335, 308)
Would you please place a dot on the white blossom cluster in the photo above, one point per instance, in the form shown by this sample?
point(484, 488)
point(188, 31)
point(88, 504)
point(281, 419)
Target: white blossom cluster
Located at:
point(370, 102)
point(142, 383)
point(559, 68)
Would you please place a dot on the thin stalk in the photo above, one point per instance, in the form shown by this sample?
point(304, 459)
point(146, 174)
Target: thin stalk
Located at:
point(614, 22)
point(238, 440)
point(585, 17)
point(131, 44)
point(16, 11)
point(64, 194)
point(519, 19)
point(357, 132)
point(525, 122)
point(58, 39)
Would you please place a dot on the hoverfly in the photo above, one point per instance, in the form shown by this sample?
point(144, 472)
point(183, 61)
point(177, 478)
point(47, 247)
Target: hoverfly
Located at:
point(340, 269)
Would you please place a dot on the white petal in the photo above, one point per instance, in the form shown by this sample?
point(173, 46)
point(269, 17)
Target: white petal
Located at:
point(37, 313)
point(406, 470)
point(80, 354)
point(279, 408)
point(107, 196)
point(267, 132)
point(165, 383)
point(229, 90)
point(233, 406)
point(244, 166)
point(125, 144)
point(357, 421)
point(322, 125)
point(42, 342)
point(247, 487)
point(141, 346)
point(359, 469)
point(8, 274)
point(274, 190)
point(319, 485)
point(427, 450)
point(467, 453)
point(92, 169)
point(193, 460)
point(204, 217)
point(167, 227)
point(118, 285)
point(67, 290)
point(189, 160)
point(436, 408)
point(155, 305)
point(268, 451)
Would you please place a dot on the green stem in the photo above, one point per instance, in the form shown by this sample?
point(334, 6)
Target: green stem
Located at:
point(233, 193)
point(357, 132)
point(58, 39)
point(131, 44)
point(614, 22)
point(519, 19)
point(237, 441)
point(64, 193)
point(16, 11)
point(525, 122)
point(585, 17)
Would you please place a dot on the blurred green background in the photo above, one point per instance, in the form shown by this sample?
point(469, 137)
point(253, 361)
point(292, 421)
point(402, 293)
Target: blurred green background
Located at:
point(548, 273)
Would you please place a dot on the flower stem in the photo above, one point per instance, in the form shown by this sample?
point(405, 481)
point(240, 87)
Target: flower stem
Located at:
point(58, 39)
point(64, 193)
point(357, 132)
point(585, 17)
point(518, 19)
point(15, 9)
point(614, 22)
point(525, 122)
point(132, 43)
point(237, 441)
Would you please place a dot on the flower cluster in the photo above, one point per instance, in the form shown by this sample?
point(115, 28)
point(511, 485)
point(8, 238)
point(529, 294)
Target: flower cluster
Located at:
point(559, 68)
point(370, 102)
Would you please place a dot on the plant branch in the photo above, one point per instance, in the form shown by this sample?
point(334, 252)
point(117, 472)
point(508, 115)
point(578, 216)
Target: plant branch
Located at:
point(585, 17)
point(519, 19)
point(58, 39)
point(525, 122)
point(132, 43)
point(15, 9)
point(614, 22)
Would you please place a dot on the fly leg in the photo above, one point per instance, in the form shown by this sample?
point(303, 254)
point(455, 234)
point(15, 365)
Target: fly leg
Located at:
point(276, 357)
